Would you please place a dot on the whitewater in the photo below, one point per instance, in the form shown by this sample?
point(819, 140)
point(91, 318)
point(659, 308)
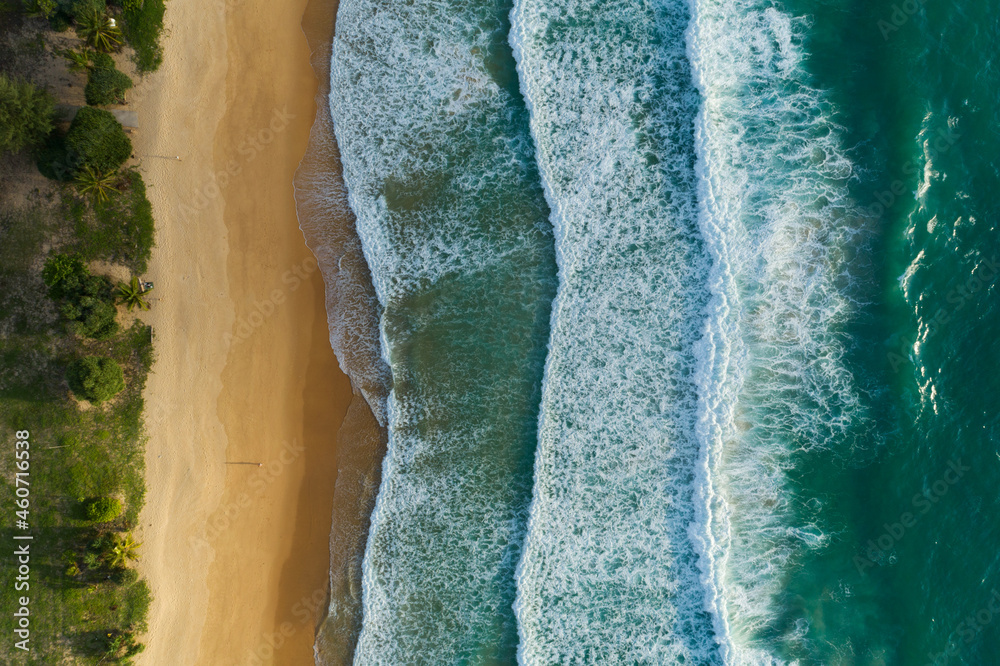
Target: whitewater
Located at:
point(615, 293)
point(440, 173)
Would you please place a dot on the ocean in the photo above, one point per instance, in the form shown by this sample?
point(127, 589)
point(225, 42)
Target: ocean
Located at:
point(678, 317)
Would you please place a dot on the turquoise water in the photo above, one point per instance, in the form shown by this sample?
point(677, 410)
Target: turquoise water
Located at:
point(689, 307)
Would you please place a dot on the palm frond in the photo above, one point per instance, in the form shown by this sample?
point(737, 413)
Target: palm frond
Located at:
point(96, 183)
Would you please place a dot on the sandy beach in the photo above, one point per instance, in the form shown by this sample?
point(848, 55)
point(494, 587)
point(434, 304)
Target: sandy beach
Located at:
point(236, 554)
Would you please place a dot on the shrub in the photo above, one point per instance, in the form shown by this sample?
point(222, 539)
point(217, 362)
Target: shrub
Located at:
point(142, 29)
point(92, 317)
point(91, 560)
point(121, 646)
point(26, 114)
point(78, 9)
point(125, 576)
point(101, 60)
point(102, 509)
point(125, 231)
point(76, 61)
point(43, 8)
point(96, 379)
point(64, 274)
point(107, 86)
point(97, 139)
point(86, 300)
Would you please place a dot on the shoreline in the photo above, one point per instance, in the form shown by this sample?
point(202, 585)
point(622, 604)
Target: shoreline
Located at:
point(354, 313)
point(245, 370)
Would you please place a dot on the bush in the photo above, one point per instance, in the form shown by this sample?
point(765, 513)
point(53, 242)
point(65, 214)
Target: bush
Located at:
point(96, 139)
point(44, 8)
point(65, 274)
point(96, 379)
point(86, 300)
point(92, 317)
point(125, 576)
point(26, 114)
point(142, 29)
point(101, 60)
point(120, 646)
point(102, 509)
point(78, 9)
point(124, 232)
point(107, 85)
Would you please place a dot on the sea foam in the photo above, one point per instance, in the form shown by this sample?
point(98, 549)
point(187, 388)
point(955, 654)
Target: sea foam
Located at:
point(438, 161)
point(609, 573)
point(777, 217)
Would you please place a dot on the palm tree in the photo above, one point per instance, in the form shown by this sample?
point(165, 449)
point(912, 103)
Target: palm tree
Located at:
point(97, 183)
point(126, 548)
point(133, 295)
point(99, 30)
point(79, 61)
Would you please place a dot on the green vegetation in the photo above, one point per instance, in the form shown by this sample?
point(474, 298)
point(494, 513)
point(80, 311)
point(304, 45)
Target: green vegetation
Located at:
point(132, 295)
point(102, 509)
point(97, 139)
point(44, 8)
point(96, 379)
point(121, 646)
point(97, 27)
point(91, 317)
point(26, 114)
point(119, 230)
point(85, 301)
point(77, 61)
point(64, 274)
point(99, 185)
point(105, 84)
point(60, 338)
point(143, 27)
point(125, 550)
point(85, 610)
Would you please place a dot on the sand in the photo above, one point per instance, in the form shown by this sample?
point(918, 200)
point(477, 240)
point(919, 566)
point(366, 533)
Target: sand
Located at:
point(236, 554)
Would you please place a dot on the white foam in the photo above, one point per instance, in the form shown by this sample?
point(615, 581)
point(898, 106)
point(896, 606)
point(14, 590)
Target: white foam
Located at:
point(776, 215)
point(609, 572)
point(437, 160)
point(405, 78)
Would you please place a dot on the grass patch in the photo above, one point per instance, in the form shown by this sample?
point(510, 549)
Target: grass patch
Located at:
point(119, 230)
point(76, 600)
point(143, 25)
point(88, 607)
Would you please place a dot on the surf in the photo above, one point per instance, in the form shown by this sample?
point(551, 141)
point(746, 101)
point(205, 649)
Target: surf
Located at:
point(778, 217)
point(609, 573)
point(453, 223)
